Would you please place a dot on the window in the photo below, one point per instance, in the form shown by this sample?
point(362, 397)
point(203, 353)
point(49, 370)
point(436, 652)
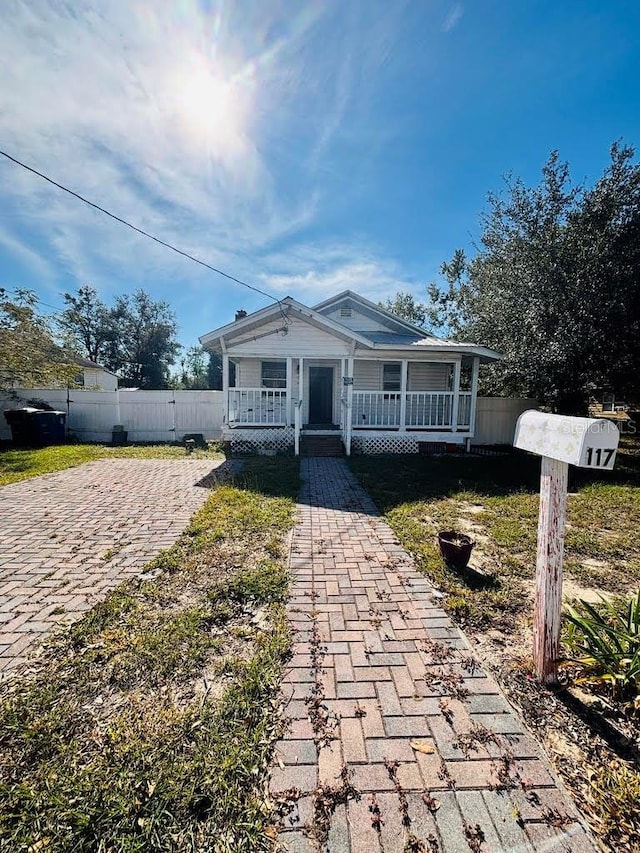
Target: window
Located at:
point(391, 377)
point(274, 374)
point(345, 311)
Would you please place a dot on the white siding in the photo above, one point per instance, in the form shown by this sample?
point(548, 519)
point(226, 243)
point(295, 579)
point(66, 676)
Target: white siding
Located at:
point(302, 339)
point(359, 322)
point(248, 373)
point(428, 376)
point(99, 380)
point(367, 376)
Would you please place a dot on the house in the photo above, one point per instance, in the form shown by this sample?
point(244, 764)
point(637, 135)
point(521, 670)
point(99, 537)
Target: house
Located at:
point(94, 377)
point(344, 368)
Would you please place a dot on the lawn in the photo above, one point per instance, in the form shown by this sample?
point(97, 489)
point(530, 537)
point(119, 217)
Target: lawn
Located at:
point(148, 725)
point(494, 499)
point(20, 464)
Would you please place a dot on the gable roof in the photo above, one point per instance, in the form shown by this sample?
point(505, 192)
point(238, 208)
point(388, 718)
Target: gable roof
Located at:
point(257, 318)
point(405, 336)
point(370, 308)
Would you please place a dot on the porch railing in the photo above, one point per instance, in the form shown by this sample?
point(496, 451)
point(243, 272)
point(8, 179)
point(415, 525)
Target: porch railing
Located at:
point(257, 407)
point(375, 409)
point(423, 409)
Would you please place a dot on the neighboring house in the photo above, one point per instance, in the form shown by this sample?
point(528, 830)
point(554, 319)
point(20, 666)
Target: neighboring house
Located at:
point(94, 377)
point(346, 367)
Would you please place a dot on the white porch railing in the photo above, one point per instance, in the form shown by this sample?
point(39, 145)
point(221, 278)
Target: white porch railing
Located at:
point(257, 407)
point(464, 409)
point(375, 409)
point(424, 409)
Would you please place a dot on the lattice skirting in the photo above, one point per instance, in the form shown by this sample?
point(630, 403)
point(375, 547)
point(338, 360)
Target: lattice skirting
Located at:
point(263, 442)
point(394, 444)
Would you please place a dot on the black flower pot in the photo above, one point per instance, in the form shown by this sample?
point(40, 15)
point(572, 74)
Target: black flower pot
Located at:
point(455, 548)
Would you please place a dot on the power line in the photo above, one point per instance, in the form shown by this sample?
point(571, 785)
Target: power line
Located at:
point(140, 230)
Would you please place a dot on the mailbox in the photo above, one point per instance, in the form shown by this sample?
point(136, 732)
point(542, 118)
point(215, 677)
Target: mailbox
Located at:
point(585, 442)
point(561, 441)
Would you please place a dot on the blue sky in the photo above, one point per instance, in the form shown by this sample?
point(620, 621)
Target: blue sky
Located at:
point(306, 147)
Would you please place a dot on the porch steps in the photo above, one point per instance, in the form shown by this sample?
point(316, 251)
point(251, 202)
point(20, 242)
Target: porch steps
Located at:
point(321, 445)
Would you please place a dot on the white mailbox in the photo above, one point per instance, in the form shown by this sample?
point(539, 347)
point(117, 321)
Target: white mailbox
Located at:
point(585, 442)
point(560, 441)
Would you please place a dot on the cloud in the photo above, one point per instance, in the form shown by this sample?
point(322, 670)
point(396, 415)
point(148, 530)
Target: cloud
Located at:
point(25, 255)
point(453, 18)
point(210, 126)
point(315, 272)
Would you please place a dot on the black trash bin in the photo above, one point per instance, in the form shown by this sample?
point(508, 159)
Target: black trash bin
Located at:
point(36, 427)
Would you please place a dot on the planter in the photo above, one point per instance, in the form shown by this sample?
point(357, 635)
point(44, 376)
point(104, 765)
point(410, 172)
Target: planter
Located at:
point(455, 548)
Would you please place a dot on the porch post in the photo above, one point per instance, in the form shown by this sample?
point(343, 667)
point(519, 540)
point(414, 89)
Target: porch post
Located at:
point(288, 413)
point(301, 389)
point(404, 366)
point(349, 407)
point(474, 397)
point(225, 380)
point(343, 373)
point(456, 396)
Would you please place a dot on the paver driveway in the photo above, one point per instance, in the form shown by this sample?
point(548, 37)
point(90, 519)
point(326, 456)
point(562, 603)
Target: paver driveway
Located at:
point(379, 669)
point(69, 537)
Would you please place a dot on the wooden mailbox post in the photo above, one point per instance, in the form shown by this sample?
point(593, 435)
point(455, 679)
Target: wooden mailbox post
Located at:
point(561, 441)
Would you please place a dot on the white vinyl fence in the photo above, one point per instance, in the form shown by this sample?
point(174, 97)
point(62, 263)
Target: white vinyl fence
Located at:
point(145, 415)
point(168, 415)
point(496, 418)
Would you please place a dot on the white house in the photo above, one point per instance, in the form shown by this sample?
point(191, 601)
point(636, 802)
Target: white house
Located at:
point(94, 377)
point(344, 368)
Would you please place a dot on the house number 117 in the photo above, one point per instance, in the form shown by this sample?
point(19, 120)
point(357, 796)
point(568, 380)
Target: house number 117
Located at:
point(599, 456)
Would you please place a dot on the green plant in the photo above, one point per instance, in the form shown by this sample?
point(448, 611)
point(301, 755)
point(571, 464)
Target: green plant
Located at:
point(605, 642)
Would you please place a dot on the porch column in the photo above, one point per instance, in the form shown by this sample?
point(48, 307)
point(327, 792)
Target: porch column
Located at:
point(301, 389)
point(343, 373)
point(225, 381)
point(349, 428)
point(474, 396)
point(288, 410)
point(456, 396)
point(404, 368)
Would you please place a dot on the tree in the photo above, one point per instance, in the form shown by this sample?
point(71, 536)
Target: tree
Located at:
point(554, 286)
point(193, 372)
point(404, 305)
point(136, 338)
point(143, 345)
point(29, 354)
point(89, 324)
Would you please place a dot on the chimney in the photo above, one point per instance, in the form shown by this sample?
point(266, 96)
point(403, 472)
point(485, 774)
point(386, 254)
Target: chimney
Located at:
point(241, 314)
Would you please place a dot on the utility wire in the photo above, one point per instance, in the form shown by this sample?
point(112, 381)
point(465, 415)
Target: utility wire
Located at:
point(141, 231)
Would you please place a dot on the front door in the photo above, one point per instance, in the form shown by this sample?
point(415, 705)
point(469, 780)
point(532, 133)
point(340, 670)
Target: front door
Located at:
point(320, 395)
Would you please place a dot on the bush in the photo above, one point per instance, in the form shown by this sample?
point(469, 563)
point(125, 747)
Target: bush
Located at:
point(605, 642)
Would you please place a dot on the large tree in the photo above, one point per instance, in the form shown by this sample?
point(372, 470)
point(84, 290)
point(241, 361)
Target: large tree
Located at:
point(136, 338)
point(88, 323)
point(555, 285)
point(29, 354)
point(405, 305)
point(144, 344)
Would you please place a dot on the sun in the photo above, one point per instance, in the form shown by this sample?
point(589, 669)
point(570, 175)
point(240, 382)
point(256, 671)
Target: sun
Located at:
point(206, 103)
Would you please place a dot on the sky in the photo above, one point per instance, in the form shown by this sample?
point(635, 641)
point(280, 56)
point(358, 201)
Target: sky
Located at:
point(304, 147)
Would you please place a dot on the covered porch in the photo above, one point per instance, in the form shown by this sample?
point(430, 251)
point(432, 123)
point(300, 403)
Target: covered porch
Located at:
point(431, 400)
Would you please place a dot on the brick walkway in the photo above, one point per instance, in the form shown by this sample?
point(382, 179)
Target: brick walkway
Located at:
point(378, 665)
point(67, 538)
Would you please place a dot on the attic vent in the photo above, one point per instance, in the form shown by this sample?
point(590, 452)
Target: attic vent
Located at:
point(345, 312)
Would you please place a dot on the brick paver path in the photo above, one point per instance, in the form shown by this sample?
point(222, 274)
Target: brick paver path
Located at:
point(379, 669)
point(69, 537)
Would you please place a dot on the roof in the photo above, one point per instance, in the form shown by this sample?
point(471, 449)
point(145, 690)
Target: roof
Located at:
point(402, 335)
point(86, 362)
